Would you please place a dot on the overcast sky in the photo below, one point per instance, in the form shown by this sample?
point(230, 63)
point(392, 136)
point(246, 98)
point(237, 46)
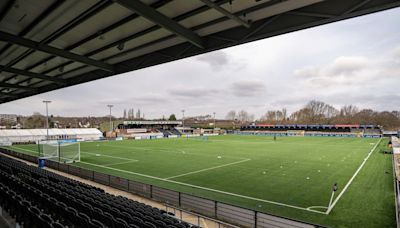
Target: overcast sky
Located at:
point(356, 61)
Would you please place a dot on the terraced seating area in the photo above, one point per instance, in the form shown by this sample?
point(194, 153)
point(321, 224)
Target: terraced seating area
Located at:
point(40, 198)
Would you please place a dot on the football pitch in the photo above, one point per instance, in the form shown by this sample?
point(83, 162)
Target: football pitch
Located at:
point(291, 177)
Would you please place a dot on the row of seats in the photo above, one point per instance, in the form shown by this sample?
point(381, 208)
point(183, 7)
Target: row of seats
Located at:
point(39, 198)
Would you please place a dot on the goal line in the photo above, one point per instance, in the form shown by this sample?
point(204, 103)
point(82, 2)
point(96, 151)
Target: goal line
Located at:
point(352, 178)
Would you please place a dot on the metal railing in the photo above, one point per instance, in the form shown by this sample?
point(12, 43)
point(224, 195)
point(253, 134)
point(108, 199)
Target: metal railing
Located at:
point(199, 219)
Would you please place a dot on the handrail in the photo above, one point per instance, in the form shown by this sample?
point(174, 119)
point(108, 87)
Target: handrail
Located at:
point(219, 222)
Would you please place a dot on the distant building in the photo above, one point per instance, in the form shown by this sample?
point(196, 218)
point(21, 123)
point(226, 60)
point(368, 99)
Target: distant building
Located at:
point(138, 114)
point(8, 118)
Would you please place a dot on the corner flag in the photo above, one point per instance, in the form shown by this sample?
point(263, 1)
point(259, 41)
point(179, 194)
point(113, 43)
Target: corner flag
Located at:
point(335, 187)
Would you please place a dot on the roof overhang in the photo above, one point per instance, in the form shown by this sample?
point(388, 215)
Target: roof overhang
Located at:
point(51, 44)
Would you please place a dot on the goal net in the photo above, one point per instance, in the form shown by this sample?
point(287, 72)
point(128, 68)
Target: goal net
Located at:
point(60, 151)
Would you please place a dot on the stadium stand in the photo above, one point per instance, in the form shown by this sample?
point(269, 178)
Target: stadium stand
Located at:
point(40, 198)
point(169, 132)
point(339, 130)
point(166, 133)
point(148, 129)
point(175, 132)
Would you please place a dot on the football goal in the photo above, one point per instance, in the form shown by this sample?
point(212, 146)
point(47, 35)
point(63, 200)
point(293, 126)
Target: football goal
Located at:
point(63, 151)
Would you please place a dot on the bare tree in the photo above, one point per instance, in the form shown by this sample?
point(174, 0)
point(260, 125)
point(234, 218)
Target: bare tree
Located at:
point(37, 120)
point(244, 116)
point(348, 110)
point(275, 116)
point(231, 115)
point(320, 111)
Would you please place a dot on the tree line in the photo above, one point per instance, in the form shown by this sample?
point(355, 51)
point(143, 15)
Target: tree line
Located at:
point(318, 112)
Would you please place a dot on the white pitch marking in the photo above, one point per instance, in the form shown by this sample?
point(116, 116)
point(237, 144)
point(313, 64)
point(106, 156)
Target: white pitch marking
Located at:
point(169, 151)
point(352, 178)
point(208, 189)
point(104, 155)
point(97, 155)
point(202, 170)
point(119, 163)
point(323, 207)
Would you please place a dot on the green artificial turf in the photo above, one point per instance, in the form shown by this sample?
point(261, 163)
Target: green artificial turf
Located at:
point(283, 177)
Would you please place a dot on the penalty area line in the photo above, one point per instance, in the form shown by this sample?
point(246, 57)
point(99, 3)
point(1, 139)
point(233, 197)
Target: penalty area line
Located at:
point(207, 189)
point(119, 163)
point(104, 155)
point(206, 169)
point(127, 160)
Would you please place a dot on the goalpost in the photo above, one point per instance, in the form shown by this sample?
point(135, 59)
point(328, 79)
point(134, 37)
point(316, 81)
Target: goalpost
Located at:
point(63, 151)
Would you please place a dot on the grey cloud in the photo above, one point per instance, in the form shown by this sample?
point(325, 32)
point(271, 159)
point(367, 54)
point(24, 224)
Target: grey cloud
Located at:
point(307, 72)
point(148, 99)
point(144, 99)
point(396, 55)
point(347, 65)
point(344, 65)
point(348, 70)
point(192, 92)
point(248, 88)
point(217, 60)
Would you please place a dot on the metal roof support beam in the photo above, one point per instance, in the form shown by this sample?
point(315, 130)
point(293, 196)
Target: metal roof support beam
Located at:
point(33, 75)
point(36, 21)
point(133, 36)
point(95, 35)
point(117, 24)
point(357, 6)
point(163, 21)
point(215, 6)
point(8, 95)
point(6, 8)
point(10, 38)
point(15, 86)
point(310, 14)
point(87, 14)
point(257, 29)
point(98, 7)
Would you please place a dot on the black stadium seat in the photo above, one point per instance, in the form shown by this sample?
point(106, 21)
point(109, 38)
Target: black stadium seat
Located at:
point(39, 198)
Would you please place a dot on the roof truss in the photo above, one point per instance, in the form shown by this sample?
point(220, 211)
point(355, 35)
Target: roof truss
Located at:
point(197, 38)
point(10, 38)
point(163, 21)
